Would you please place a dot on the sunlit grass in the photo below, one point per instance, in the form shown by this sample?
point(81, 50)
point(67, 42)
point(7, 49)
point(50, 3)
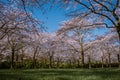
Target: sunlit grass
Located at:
point(60, 74)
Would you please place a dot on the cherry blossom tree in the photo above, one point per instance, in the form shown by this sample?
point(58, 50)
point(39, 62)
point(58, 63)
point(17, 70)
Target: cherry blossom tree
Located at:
point(78, 35)
point(103, 47)
point(15, 29)
point(106, 12)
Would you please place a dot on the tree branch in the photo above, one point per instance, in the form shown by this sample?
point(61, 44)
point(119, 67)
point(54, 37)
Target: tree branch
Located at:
point(102, 5)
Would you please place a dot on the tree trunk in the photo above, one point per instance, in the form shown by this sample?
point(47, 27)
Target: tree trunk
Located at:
point(107, 63)
point(102, 62)
point(50, 64)
point(12, 58)
point(44, 63)
point(50, 59)
point(78, 63)
point(109, 59)
point(82, 54)
point(70, 63)
point(58, 62)
point(118, 30)
point(89, 61)
point(119, 35)
point(34, 58)
point(22, 55)
point(118, 57)
point(82, 57)
point(17, 57)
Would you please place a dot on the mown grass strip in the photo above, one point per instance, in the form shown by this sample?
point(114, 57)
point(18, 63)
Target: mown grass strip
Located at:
point(60, 74)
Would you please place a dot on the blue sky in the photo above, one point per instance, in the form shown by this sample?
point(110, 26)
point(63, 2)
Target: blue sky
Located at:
point(52, 18)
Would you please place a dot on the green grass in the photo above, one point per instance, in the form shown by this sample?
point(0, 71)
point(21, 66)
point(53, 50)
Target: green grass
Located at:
point(60, 74)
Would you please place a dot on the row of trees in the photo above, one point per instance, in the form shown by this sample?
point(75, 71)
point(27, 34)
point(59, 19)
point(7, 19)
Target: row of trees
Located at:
point(75, 44)
point(16, 28)
point(78, 47)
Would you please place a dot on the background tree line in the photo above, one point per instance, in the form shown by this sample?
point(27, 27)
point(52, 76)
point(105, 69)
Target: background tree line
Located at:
point(76, 44)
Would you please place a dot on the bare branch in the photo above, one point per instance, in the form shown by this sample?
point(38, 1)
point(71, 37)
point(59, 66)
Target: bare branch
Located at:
point(102, 5)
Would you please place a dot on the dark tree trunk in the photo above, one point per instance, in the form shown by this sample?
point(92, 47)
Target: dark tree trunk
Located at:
point(34, 58)
point(22, 55)
point(89, 61)
point(107, 63)
point(78, 63)
point(50, 64)
point(82, 58)
point(82, 55)
point(118, 30)
point(58, 62)
point(12, 58)
point(102, 62)
point(70, 64)
point(109, 59)
point(17, 57)
point(50, 59)
point(118, 57)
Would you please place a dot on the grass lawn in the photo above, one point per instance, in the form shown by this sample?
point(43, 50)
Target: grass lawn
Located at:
point(60, 74)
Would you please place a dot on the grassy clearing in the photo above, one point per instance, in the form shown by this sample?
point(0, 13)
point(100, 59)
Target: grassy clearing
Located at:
point(60, 74)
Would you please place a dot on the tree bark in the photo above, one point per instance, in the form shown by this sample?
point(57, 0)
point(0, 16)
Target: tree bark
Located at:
point(22, 56)
point(58, 62)
point(102, 60)
point(50, 66)
point(89, 61)
point(118, 31)
point(82, 56)
point(109, 59)
point(12, 58)
point(34, 58)
point(118, 57)
point(50, 59)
